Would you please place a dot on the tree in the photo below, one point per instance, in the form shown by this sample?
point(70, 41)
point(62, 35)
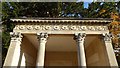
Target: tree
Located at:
point(23, 9)
point(115, 30)
point(101, 9)
point(73, 9)
point(92, 10)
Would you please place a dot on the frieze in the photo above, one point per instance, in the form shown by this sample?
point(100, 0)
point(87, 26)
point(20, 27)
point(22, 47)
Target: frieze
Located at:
point(29, 27)
point(36, 27)
point(61, 27)
point(56, 27)
point(21, 27)
point(64, 28)
point(47, 28)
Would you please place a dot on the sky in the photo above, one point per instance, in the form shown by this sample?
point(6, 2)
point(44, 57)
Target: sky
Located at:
point(86, 2)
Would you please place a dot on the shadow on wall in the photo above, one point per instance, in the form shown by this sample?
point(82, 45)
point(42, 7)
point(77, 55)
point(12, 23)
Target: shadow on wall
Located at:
point(28, 54)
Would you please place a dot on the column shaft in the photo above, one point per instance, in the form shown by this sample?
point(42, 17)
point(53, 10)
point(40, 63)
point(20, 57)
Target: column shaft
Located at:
point(13, 55)
point(41, 52)
point(41, 55)
point(81, 52)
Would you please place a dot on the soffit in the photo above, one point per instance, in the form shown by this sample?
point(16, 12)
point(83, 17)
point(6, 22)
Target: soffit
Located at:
point(60, 42)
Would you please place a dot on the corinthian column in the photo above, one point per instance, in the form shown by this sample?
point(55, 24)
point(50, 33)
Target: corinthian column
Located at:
point(13, 54)
point(42, 37)
point(79, 37)
point(109, 49)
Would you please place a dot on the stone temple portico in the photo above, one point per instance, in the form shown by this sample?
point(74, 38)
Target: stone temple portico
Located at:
point(60, 42)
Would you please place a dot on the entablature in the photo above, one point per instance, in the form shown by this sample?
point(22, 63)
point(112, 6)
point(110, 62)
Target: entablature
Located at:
point(61, 26)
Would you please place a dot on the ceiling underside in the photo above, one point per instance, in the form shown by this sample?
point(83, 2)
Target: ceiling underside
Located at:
point(60, 42)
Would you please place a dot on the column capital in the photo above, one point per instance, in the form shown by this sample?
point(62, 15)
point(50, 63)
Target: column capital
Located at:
point(42, 36)
point(79, 36)
point(107, 37)
point(16, 36)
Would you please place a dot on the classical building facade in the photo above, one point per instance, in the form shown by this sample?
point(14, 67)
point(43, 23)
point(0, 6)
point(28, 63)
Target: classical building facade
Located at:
point(60, 42)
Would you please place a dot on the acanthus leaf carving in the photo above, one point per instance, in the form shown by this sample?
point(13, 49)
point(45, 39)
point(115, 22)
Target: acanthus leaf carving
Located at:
point(79, 37)
point(107, 37)
point(16, 36)
point(42, 37)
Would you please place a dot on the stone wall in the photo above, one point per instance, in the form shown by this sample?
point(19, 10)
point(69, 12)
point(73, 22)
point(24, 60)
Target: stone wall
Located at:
point(96, 54)
point(61, 59)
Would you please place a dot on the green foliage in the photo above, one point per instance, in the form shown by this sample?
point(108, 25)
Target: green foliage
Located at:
point(73, 9)
point(101, 10)
point(92, 10)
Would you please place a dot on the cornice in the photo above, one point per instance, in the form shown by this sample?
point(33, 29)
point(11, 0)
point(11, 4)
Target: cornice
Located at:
point(61, 20)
